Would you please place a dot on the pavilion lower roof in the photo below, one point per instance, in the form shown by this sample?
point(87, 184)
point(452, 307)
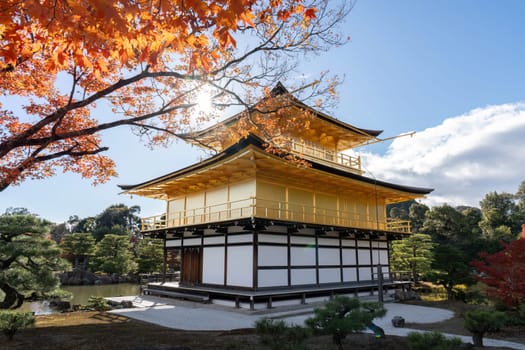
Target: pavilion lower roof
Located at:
point(248, 159)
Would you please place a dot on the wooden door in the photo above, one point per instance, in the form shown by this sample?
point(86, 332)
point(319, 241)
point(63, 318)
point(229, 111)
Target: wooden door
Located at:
point(191, 272)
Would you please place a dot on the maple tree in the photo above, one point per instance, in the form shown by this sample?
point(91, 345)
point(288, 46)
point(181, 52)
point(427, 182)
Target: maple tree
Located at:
point(504, 273)
point(148, 60)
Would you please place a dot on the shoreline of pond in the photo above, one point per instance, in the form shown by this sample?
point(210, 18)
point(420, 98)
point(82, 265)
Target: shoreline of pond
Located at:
point(81, 294)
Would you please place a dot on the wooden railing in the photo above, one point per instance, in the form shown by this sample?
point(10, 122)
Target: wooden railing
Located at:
point(395, 225)
point(320, 153)
point(270, 209)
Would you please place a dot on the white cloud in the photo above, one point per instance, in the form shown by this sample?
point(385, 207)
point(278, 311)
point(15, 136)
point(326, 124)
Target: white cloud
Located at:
point(463, 158)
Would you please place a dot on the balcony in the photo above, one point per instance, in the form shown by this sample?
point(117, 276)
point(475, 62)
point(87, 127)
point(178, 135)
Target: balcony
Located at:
point(324, 155)
point(269, 209)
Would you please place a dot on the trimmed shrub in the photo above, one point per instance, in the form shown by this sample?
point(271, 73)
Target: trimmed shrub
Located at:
point(432, 341)
point(98, 303)
point(12, 321)
point(278, 335)
point(342, 316)
point(481, 321)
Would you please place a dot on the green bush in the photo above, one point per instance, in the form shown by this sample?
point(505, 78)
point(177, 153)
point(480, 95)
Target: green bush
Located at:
point(432, 341)
point(12, 321)
point(277, 335)
point(516, 317)
point(521, 313)
point(342, 316)
point(481, 321)
point(98, 303)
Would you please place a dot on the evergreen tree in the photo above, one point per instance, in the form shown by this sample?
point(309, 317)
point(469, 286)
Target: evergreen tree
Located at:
point(500, 216)
point(79, 247)
point(113, 255)
point(414, 254)
point(450, 267)
point(417, 214)
point(28, 259)
point(149, 255)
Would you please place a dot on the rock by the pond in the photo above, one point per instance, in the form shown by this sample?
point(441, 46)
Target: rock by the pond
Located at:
point(77, 277)
point(60, 305)
point(126, 304)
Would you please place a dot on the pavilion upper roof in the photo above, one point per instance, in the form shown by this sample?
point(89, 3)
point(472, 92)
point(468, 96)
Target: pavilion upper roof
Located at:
point(295, 119)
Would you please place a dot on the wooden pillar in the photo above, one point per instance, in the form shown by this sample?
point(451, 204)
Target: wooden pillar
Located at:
point(255, 277)
point(164, 259)
point(379, 283)
point(316, 259)
point(289, 258)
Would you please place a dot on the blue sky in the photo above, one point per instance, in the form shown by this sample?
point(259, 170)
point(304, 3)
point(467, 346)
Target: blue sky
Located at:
point(453, 71)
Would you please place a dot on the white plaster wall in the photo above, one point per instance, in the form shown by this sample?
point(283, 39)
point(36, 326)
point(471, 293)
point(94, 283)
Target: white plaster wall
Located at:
point(383, 257)
point(213, 265)
point(328, 241)
point(329, 275)
point(303, 276)
point(191, 242)
point(173, 243)
point(214, 240)
point(382, 244)
point(363, 244)
point(272, 278)
point(364, 256)
point(272, 238)
point(302, 240)
point(302, 256)
point(329, 256)
point(365, 274)
point(348, 243)
point(349, 256)
point(350, 274)
point(240, 266)
point(246, 238)
point(272, 256)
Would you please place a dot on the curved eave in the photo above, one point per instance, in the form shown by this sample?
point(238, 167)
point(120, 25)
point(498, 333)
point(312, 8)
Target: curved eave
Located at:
point(150, 184)
point(233, 119)
point(279, 89)
point(154, 188)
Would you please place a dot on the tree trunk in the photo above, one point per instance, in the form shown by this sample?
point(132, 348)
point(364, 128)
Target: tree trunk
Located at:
point(477, 339)
point(337, 339)
point(449, 292)
point(12, 299)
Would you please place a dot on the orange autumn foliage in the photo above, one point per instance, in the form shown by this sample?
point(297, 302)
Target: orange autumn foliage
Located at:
point(144, 59)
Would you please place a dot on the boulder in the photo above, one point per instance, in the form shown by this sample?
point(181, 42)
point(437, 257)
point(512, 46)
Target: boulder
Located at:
point(77, 277)
point(398, 321)
point(60, 305)
point(126, 304)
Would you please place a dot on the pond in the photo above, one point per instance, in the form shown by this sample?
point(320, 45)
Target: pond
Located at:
point(81, 295)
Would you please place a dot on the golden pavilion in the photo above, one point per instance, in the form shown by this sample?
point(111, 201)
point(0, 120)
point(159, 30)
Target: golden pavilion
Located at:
point(294, 216)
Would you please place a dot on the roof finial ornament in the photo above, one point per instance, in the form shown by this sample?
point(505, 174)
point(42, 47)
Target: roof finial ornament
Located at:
point(278, 89)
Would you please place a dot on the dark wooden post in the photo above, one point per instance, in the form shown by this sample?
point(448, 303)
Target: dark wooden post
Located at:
point(164, 261)
point(379, 283)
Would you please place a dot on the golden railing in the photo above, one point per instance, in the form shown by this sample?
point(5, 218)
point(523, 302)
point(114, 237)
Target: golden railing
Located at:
point(323, 154)
point(270, 209)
